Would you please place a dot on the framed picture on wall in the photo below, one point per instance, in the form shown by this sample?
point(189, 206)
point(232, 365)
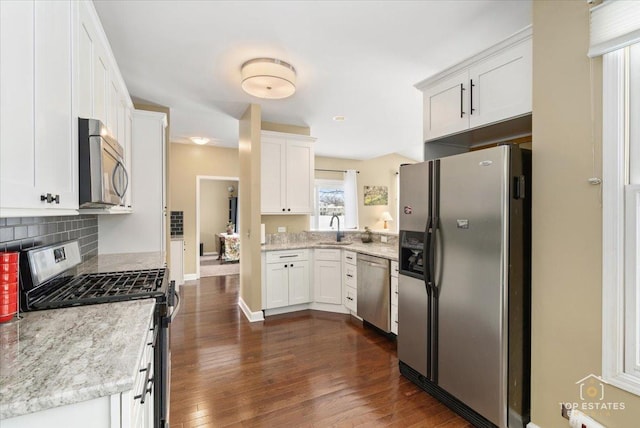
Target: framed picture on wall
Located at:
point(376, 195)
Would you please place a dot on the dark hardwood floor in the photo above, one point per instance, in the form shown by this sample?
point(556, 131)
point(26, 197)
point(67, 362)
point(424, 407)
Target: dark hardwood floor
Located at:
point(307, 369)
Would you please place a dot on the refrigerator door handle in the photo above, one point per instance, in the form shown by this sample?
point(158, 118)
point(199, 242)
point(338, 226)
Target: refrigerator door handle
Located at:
point(432, 256)
point(425, 255)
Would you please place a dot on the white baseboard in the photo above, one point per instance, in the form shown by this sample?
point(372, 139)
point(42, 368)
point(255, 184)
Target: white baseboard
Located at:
point(251, 316)
point(286, 309)
point(190, 276)
point(532, 425)
point(327, 307)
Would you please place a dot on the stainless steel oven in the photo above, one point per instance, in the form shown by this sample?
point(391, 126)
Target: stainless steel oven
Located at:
point(103, 176)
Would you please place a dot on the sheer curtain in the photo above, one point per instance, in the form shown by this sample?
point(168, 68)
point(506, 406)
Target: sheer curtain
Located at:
point(351, 199)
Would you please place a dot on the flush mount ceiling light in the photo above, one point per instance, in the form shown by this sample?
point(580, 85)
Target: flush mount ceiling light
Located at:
point(268, 78)
point(199, 140)
point(339, 118)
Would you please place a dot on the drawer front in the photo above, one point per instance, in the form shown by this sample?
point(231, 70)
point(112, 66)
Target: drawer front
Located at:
point(326, 254)
point(287, 256)
point(349, 257)
point(350, 298)
point(350, 275)
point(394, 269)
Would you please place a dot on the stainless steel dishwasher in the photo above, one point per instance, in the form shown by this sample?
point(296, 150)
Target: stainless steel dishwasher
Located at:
point(374, 291)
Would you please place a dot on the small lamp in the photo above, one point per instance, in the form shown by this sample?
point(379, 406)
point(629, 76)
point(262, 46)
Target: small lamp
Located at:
point(386, 217)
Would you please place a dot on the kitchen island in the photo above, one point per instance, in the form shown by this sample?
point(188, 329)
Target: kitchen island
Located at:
point(61, 357)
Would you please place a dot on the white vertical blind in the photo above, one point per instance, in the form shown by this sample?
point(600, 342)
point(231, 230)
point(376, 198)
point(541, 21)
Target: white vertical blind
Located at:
point(614, 25)
point(351, 199)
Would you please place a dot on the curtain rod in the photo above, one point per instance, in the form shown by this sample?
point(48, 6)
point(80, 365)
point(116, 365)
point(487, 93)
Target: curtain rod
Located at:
point(334, 170)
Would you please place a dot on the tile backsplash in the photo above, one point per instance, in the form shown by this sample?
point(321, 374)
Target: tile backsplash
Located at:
point(20, 233)
point(177, 223)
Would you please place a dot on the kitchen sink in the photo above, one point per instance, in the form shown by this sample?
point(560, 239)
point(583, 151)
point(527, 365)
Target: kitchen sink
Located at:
point(335, 243)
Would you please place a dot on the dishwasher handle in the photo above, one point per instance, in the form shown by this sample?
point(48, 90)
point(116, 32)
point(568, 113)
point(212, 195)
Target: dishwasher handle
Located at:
point(380, 265)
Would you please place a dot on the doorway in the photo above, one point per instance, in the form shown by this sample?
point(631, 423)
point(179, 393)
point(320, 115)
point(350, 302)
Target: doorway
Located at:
point(217, 228)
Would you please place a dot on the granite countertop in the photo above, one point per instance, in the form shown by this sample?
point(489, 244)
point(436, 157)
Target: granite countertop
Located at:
point(64, 356)
point(387, 251)
point(123, 261)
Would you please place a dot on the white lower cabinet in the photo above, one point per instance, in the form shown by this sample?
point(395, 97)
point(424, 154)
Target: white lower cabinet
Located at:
point(394, 297)
point(128, 409)
point(287, 279)
point(327, 276)
point(350, 280)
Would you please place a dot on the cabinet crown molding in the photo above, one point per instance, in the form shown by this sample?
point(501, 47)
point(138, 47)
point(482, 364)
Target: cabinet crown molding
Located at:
point(518, 37)
point(298, 137)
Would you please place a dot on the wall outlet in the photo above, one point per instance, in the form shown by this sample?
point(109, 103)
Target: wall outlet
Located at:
point(383, 239)
point(282, 229)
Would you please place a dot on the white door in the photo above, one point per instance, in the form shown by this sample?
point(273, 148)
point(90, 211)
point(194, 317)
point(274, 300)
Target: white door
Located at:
point(299, 282)
point(272, 184)
point(299, 177)
point(84, 63)
point(17, 153)
point(100, 84)
point(446, 106)
point(327, 282)
point(38, 151)
point(502, 86)
point(277, 285)
point(55, 124)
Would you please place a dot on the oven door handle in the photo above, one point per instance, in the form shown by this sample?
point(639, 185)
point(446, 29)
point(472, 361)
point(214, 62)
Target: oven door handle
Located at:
point(175, 306)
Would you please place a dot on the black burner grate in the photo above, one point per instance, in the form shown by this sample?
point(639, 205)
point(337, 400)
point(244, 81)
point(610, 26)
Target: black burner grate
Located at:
point(102, 288)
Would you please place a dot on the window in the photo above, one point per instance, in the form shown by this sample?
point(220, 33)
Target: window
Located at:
point(328, 200)
point(621, 218)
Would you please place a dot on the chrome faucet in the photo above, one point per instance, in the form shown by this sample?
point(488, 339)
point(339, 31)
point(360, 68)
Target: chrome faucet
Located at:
point(339, 236)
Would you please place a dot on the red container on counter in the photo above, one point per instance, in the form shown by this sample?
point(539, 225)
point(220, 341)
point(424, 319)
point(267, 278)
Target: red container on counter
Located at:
point(8, 267)
point(8, 285)
point(8, 277)
point(8, 257)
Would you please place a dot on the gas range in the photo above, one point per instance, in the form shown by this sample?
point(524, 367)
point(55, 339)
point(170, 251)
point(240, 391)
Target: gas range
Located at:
point(49, 281)
point(100, 288)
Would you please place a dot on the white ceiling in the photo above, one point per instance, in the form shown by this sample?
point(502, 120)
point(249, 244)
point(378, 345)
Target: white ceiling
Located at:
point(358, 59)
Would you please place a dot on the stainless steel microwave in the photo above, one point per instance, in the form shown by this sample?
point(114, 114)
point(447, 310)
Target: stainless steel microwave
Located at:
point(103, 180)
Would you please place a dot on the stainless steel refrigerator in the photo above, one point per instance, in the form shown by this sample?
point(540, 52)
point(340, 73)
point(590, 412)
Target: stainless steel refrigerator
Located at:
point(464, 283)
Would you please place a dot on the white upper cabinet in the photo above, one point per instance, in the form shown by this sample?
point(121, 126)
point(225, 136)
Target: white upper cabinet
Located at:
point(55, 66)
point(493, 86)
point(445, 106)
point(38, 143)
point(102, 93)
point(287, 162)
point(500, 86)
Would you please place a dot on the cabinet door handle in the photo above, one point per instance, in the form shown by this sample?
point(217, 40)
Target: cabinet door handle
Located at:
point(49, 198)
point(288, 209)
point(143, 394)
point(286, 266)
point(283, 209)
point(291, 265)
point(461, 99)
point(350, 276)
point(472, 85)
